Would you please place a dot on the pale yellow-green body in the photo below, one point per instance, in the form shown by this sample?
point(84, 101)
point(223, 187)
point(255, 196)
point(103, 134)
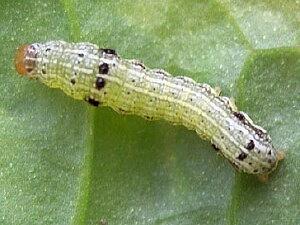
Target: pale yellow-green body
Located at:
point(101, 77)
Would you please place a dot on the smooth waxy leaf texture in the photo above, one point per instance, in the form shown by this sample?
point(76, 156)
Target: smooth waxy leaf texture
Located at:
point(64, 162)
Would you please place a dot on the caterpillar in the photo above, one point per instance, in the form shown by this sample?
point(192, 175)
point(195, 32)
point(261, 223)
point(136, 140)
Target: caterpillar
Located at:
point(100, 76)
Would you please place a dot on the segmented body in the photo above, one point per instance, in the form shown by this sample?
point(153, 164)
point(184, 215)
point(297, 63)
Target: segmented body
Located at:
point(100, 77)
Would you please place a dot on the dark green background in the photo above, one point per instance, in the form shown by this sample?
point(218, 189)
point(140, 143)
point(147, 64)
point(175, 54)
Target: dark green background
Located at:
point(64, 162)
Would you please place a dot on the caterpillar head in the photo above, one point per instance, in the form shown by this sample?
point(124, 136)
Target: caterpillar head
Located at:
point(26, 59)
point(74, 68)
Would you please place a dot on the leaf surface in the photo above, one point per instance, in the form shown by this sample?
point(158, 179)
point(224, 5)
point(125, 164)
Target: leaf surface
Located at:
point(64, 162)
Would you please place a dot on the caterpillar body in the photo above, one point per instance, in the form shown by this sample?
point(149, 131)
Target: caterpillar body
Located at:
point(101, 77)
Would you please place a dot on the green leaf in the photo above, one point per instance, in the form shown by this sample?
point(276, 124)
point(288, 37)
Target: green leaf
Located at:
point(64, 162)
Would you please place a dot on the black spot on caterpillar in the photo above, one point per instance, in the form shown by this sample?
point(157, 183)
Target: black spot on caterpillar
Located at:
point(215, 147)
point(250, 145)
point(239, 115)
point(103, 68)
point(73, 81)
point(130, 87)
point(100, 82)
point(108, 51)
point(92, 102)
point(242, 156)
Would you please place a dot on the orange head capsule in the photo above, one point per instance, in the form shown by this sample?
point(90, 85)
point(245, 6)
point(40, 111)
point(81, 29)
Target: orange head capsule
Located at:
point(25, 60)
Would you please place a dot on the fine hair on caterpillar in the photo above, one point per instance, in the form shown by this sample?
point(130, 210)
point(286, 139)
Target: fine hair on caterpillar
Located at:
point(102, 78)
